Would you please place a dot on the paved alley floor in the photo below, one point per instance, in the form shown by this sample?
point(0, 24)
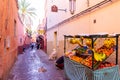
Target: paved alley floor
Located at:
point(34, 65)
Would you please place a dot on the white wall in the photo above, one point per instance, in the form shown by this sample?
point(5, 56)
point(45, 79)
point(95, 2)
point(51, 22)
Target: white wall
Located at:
point(57, 17)
point(107, 20)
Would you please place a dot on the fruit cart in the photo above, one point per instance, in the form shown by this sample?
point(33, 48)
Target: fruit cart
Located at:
point(91, 62)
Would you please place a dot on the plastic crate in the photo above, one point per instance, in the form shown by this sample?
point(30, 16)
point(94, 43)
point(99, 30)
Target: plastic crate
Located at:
point(76, 71)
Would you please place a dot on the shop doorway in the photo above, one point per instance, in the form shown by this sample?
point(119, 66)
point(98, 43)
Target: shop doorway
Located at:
point(55, 40)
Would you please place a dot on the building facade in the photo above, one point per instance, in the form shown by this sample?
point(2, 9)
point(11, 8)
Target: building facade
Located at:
point(41, 29)
point(9, 37)
point(100, 16)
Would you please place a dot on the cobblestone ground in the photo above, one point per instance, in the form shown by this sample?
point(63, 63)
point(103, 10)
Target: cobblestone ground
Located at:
point(34, 65)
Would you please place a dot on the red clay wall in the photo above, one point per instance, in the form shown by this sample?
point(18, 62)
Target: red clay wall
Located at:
point(8, 33)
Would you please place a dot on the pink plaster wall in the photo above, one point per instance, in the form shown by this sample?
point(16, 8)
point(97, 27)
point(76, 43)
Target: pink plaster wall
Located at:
point(20, 31)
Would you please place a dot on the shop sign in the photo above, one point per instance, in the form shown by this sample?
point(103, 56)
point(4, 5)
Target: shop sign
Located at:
point(54, 8)
point(41, 31)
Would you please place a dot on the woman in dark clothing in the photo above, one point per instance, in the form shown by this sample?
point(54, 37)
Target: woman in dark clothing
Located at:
point(38, 42)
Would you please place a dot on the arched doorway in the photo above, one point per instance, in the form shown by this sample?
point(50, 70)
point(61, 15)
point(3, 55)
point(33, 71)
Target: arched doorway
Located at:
point(41, 41)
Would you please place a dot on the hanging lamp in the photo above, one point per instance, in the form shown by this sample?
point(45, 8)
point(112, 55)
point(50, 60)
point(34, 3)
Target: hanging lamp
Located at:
point(72, 6)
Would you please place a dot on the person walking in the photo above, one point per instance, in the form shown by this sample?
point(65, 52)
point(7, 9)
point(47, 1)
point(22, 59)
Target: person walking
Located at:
point(38, 42)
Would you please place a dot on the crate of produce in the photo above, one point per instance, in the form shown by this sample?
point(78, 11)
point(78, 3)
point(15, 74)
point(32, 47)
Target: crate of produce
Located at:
point(76, 71)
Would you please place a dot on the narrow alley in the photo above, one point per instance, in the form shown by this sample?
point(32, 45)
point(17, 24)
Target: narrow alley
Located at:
point(82, 35)
point(33, 64)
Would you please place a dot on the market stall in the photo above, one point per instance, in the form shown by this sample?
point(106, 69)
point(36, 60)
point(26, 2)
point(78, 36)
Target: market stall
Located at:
point(95, 57)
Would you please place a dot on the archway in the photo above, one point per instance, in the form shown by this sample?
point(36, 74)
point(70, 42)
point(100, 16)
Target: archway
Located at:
point(41, 41)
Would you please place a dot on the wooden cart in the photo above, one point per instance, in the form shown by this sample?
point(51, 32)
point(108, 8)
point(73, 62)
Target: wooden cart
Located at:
point(78, 71)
